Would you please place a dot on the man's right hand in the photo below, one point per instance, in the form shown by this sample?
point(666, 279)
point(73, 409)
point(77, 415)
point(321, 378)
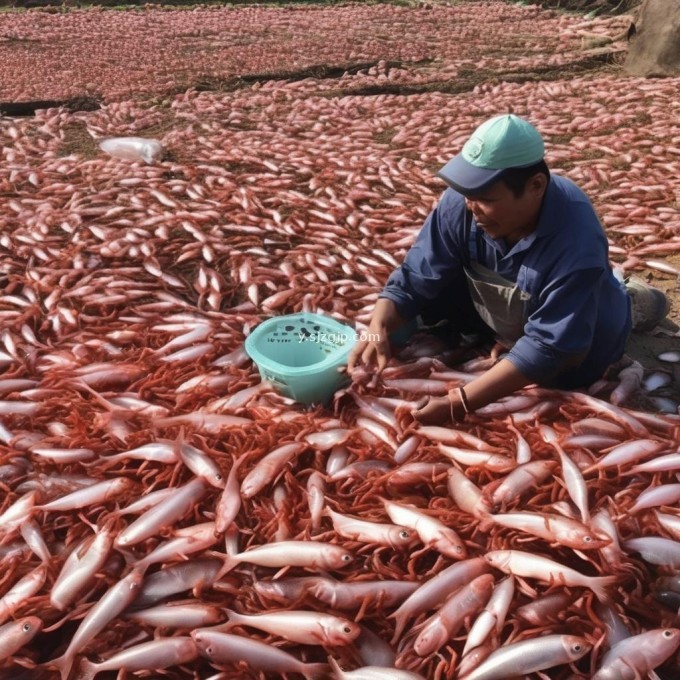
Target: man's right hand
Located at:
point(374, 349)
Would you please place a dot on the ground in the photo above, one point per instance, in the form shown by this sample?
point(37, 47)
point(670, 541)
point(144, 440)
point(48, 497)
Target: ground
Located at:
point(78, 140)
point(646, 347)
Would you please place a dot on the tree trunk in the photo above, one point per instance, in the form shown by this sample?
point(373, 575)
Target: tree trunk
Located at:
point(655, 40)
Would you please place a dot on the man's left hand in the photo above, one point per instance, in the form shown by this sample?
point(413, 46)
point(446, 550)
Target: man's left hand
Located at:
point(439, 411)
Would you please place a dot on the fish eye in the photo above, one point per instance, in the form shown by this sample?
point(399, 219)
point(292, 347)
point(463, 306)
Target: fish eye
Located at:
point(208, 650)
point(403, 534)
point(26, 627)
point(577, 648)
point(459, 549)
point(347, 630)
point(587, 539)
point(218, 475)
point(668, 634)
point(346, 558)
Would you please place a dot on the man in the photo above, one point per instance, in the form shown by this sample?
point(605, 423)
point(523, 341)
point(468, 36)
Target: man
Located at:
point(521, 253)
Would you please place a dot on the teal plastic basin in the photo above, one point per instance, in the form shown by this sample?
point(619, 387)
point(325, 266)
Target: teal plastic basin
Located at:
point(299, 354)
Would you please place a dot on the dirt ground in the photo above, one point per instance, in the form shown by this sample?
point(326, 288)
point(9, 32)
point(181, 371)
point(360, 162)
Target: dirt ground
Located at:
point(643, 347)
point(600, 7)
point(646, 347)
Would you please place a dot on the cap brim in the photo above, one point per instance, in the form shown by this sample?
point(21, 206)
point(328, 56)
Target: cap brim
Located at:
point(467, 178)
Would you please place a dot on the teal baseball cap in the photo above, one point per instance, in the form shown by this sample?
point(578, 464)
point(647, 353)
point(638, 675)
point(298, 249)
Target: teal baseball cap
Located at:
point(500, 143)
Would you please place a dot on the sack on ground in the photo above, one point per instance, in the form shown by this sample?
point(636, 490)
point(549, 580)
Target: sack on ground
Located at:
point(133, 148)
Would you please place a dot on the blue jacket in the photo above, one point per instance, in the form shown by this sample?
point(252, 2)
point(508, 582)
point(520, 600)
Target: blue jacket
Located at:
point(577, 316)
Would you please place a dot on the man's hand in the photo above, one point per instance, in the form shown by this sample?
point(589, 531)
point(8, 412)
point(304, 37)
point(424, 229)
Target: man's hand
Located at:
point(439, 411)
point(498, 382)
point(376, 351)
point(498, 350)
point(435, 411)
point(375, 348)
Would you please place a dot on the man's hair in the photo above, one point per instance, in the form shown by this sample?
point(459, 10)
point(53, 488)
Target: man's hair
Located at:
point(516, 178)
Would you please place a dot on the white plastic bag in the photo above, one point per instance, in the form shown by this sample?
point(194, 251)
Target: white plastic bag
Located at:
point(133, 148)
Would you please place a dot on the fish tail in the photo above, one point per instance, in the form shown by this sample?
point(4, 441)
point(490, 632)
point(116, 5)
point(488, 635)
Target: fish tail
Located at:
point(227, 566)
point(599, 585)
point(317, 671)
point(335, 667)
point(222, 627)
point(233, 619)
point(66, 667)
point(62, 664)
point(87, 670)
point(486, 523)
point(129, 557)
point(400, 620)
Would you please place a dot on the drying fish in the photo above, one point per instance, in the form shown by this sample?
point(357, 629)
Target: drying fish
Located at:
point(518, 563)
point(224, 648)
point(530, 656)
point(136, 431)
point(522, 478)
point(162, 514)
point(372, 673)
point(80, 568)
point(448, 620)
point(656, 550)
point(16, 634)
point(665, 404)
point(431, 531)
point(638, 655)
point(371, 532)
point(669, 357)
point(467, 496)
point(431, 592)
point(112, 603)
point(315, 555)
point(21, 591)
point(189, 615)
point(554, 528)
point(308, 628)
point(656, 380)
point(157, 655)
point(493, 616)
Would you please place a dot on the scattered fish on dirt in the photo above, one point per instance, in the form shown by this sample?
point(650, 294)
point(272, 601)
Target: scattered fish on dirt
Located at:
point(163, 510)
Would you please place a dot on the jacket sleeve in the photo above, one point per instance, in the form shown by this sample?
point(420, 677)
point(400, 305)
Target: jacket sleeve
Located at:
point(560, 331)
point(432, 261)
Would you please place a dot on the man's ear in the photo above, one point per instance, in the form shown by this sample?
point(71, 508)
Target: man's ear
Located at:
point(537, 184)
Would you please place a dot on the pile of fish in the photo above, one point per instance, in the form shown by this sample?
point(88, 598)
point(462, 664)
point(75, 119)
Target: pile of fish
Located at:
point(158, 521)
point(163, 510)
point(160, 50)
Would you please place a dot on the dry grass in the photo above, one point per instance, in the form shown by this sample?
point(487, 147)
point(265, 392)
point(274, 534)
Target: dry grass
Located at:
point(77, 140)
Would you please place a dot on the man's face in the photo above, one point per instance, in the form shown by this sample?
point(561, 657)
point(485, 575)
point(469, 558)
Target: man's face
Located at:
point(501, 214)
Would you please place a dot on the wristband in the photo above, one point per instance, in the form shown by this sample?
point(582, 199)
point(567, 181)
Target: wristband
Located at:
point(458, 396)
point(464, 401)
